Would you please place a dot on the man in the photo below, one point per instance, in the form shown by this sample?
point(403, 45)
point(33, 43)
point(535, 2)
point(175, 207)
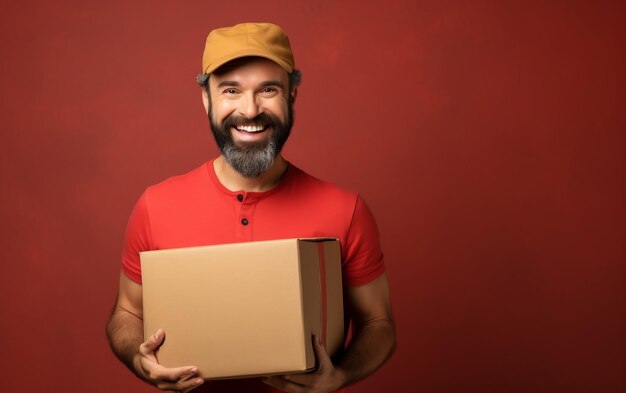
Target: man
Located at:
point(250, 192)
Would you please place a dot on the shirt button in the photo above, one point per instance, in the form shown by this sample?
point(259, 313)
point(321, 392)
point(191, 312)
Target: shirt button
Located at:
point(244, 221)
point(239, 197)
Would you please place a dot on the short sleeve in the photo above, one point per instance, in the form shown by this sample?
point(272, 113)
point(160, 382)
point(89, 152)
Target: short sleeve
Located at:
point(363, 259)
point(138, 238)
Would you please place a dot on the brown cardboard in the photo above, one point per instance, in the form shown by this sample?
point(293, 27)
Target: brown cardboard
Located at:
point(245, 309)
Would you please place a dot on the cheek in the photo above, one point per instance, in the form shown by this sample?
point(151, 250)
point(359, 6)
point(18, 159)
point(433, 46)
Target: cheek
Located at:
point(221, 109)
point(279, 108)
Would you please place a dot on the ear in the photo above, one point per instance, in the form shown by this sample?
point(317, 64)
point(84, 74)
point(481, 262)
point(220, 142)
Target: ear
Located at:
point(293, 94)
point(205, 101)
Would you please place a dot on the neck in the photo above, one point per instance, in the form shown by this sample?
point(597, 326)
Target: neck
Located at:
point(234, 181)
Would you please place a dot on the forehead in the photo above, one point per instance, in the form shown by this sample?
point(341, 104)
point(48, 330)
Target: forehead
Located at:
point(251, 70)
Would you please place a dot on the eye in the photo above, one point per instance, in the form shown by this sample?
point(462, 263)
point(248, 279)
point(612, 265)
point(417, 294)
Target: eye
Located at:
point(268, 91)
point(230, 91)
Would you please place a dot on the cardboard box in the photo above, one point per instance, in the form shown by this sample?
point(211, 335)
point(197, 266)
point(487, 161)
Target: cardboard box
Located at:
point(245, 309)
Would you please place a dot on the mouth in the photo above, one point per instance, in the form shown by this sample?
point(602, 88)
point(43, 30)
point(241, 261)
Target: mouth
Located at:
point(251, 129)
point(250, 132)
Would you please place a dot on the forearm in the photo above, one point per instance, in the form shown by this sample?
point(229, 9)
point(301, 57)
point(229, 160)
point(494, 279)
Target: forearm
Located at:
point(372, 344)
point(125, 333)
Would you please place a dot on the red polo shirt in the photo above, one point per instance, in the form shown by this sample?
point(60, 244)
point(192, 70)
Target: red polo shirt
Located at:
point(196, 209)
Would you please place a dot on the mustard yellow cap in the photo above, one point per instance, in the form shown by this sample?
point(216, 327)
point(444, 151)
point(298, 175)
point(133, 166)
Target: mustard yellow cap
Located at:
point(247, 39)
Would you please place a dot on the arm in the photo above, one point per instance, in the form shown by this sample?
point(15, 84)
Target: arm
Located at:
point(125, 333)
point(372, 344)
point(374, 337)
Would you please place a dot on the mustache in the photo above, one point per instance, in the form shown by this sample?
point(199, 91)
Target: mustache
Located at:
point(262, 119)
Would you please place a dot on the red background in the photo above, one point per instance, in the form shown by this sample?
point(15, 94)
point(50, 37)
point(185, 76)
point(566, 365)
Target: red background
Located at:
point(487, 137)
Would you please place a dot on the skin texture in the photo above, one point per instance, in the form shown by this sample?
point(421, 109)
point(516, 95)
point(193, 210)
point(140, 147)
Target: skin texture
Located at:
point(246, 89)
point(125, 332)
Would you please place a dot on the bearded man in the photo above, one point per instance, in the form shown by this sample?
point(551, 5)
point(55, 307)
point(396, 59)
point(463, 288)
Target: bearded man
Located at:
point(251, 193)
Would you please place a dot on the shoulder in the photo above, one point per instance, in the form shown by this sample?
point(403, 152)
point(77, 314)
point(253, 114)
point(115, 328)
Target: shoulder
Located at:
point(176, 186)
point(314, 186)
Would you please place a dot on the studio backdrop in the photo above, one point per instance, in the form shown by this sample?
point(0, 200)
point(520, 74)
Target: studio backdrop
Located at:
point(486, 136)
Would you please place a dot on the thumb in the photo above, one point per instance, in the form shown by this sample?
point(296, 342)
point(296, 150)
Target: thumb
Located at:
point(323, 359)
point(153, 342)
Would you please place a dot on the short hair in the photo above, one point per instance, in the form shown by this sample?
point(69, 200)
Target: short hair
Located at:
point(295, 77)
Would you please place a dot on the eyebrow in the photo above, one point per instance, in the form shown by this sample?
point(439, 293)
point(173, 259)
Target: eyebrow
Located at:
point(272, 83)
point(262, 84)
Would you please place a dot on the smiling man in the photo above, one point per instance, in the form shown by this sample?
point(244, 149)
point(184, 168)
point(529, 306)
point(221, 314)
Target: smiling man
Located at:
point(249, 193)
point(249, 103)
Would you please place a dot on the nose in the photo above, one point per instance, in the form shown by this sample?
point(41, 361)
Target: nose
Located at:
point(249, 107)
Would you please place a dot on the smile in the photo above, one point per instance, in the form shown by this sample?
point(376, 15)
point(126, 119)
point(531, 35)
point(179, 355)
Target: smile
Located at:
point(251, 129)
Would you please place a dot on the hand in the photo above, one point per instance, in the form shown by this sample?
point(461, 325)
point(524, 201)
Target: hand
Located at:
point(327, 378)
point(180, 379)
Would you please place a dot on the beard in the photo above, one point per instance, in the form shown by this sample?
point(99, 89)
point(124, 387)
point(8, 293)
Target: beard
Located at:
point(251, 159)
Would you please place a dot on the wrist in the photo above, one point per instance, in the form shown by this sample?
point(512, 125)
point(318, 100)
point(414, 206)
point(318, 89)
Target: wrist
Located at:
point(137, 368)
point(341, 378)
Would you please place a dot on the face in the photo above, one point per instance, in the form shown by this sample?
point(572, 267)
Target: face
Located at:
point(250, 112)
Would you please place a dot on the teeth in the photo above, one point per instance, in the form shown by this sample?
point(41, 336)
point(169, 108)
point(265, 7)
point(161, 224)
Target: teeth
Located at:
point(250, 128)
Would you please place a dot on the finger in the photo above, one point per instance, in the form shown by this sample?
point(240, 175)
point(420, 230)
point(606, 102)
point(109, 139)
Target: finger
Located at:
point(280, 383)
point(197, 383)
point(179, 386)
point(304, 379)
point(173, 375)
point(323, 359)
point(191, 384)
point(194, 380)
point(153, 342)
